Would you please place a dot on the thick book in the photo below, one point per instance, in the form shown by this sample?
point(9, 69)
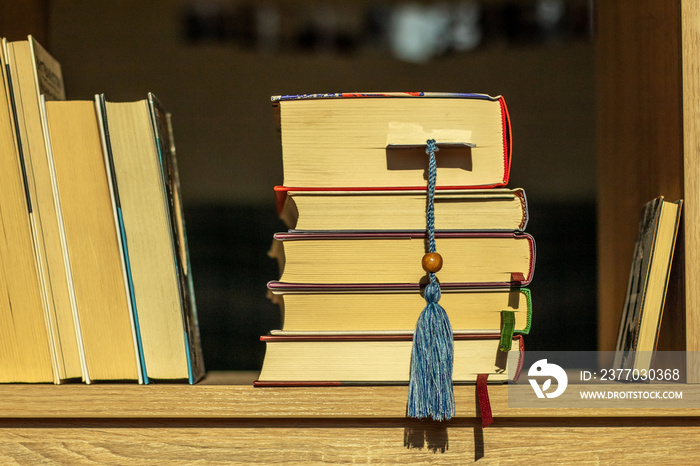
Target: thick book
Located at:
point(377, 310)
point(360, 140)
point(399, 209)
point(393, 259)
point(648, 280)
point(26, 353)
point(105, 319)
point(33, 72)
point(144, 189)
point(378, 359)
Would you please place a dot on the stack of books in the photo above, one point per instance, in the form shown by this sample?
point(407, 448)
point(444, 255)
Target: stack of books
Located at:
point(354, 199)
point(94, 270)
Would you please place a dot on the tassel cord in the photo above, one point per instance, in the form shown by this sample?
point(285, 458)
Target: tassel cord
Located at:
point(430, 209)
point(430, 388)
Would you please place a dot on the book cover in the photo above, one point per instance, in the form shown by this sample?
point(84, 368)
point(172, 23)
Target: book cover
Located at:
point(352, 95)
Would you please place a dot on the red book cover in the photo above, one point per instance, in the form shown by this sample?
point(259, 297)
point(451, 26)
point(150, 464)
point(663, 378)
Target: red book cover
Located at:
point(491, 182)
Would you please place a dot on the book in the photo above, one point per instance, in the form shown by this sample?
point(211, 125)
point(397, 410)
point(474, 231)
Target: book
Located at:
point(162, 123)
point(26, 353)
point(144, 192)
point(648, 280)
point(377, 359)
point(361, 140)
point(34, 72)
point(471, 259)
point(394, 209)
point(105, 317)
point(378, 310)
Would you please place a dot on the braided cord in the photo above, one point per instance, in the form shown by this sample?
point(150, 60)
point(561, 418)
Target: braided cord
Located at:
point(430, 210)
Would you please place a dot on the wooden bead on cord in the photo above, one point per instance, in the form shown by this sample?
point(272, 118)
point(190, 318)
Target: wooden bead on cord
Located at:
point(432, 262)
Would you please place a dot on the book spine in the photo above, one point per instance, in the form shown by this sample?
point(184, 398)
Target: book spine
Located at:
point(507, 141)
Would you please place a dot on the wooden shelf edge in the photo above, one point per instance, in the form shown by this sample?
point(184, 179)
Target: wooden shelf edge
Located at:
point(214, 400)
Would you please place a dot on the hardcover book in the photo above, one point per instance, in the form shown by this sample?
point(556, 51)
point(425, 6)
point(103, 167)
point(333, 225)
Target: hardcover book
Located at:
point(380, 310)
point(648, 280)
point(399, 209)
point(360, 140)
point(471, 259)
point(377, 359)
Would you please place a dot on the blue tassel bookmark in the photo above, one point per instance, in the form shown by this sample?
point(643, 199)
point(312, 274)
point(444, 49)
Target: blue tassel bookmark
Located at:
point(430, 392)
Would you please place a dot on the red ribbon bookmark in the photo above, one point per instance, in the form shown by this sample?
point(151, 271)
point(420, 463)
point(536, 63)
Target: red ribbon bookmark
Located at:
point(482, 392)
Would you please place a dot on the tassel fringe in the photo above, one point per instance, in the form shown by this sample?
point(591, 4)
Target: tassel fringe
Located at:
point(430, 392)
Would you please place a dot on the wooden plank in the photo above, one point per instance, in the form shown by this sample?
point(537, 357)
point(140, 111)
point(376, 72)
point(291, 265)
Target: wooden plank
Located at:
point(691, 147)
point(350, 444)
point(204, 401)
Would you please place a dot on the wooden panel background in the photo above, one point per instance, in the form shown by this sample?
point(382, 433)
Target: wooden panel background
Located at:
point(639, 145)
point(20, 18)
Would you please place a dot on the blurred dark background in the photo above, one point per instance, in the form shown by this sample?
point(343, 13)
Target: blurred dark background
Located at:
point(214, 64)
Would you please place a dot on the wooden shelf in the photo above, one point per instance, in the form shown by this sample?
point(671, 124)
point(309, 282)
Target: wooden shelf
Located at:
point(232, 396)
point(225, 420)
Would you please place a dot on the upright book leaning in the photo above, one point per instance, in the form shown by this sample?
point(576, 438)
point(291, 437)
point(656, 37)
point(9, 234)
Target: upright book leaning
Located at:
point(138, 145)
point(33, 74)
point(26, 354)
point(109, 343)
point(646, 289)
